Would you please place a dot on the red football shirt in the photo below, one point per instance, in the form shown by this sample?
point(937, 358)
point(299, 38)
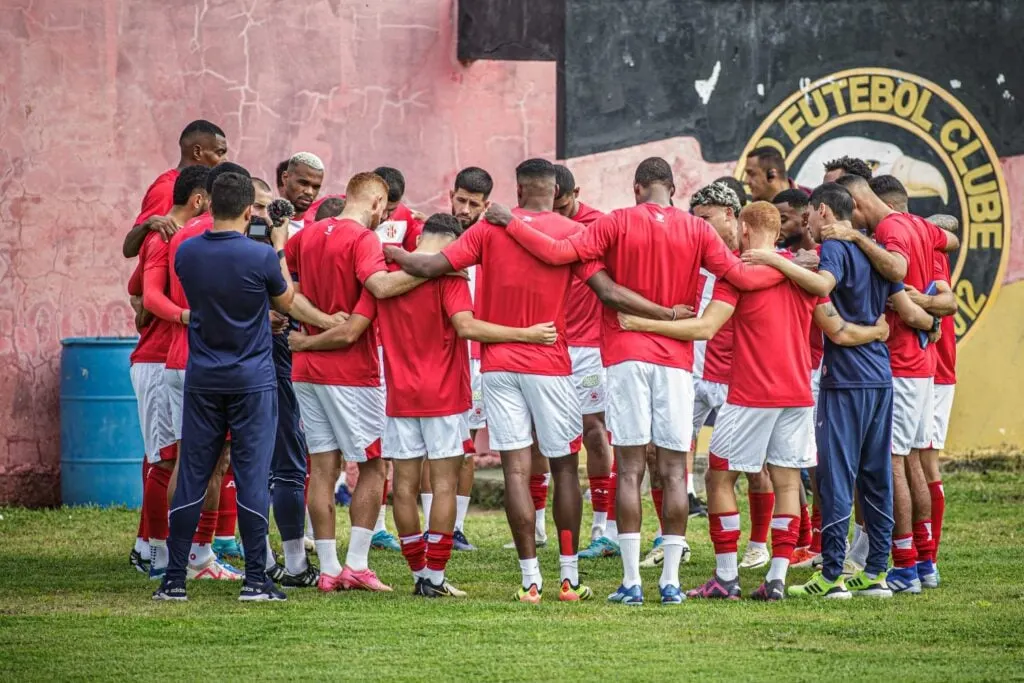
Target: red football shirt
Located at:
point(916, 240)
point(713, 358)
point(413, 227)
point(177, 353)
point(426, 365)
point(657, 252)
point(945, 350)
point(333, 258)
point(521, 291)
point(159, 197)
point(583, 310)
point(770, 350)
point(155, 337)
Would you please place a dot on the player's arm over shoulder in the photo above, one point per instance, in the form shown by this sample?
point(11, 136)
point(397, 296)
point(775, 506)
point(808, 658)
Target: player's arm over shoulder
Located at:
point(844, 333)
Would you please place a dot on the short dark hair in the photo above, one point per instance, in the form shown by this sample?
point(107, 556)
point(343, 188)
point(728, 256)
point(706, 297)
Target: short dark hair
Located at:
point(849, 166)
point(329, 208)
point(279, 172)
point(199, 127)
point(653, 170)
point(222, 168)
point(795, 198)
point(442, 224)
point(736, 186)
point(535, 169)
point(769, 157)
point(262, 183)
point(851, 181)
point(835, 197)
point(191, 179)
point(475, 180)
point(395, 180)
point(565, 180)
point(888, 186)
point(232, 194)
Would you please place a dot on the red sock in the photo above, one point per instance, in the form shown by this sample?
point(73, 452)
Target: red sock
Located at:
point(938, 512)
point(815, 529)
point(923, 540)
point(143, 532)
point(439, 550)
point(207, 527)
point(904, 554)
point(725, 531)
point(156, 502)
point(804, 537)
point(785, 531)
point(414, 549)
point(599, 493)
point(539, 490)
point(761, 507)
point(227, 513)
point(613, 487)
point(659, 503)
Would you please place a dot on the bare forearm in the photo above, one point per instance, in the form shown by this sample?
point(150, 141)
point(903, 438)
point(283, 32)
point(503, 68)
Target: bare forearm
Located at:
point(807, 280)
point(626, 300)
point(422, 265)
point(387, 285)
point(304, 311)
point(490, 333)
point(890, 266)
point(851, 334)
point(747, 278)
point(941, 304)
point(133, 241)
point(340, 337)
point(692, 329)
point(548, 250)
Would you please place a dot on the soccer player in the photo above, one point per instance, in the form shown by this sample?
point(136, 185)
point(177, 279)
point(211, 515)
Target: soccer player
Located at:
point(407, 223)
point(201, 143)
point(765, 173)
point(736, 186)
point(846, 165)
point(230, 282)
point(530, 388)
point(904, 251)
point(340, 398)
point(300, 184)
point(654, 250)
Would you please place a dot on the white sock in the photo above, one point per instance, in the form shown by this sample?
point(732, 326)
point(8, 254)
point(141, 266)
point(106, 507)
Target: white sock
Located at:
point(295, 556)
point(271, 560)
point(309, 525)
point(777, 571)
point(725, 566)
point(753, 545)
point(673, 547)
point(358, 555)
point(426, 500)
point(461, 508)
point(611, 530)
point(200, 554)
point(629, 544)
point(531, 573)
point(142, 546)
point(382, 517)
point(861, 548)
point(434, 576)
point(690, 491)
point(158, 553)
point(597, 529)
point(570, 566)
point(327, 553)
point(538, 524)
point(858, 531)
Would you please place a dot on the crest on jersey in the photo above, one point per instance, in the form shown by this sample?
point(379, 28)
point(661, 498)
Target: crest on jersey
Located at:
point(908, 127)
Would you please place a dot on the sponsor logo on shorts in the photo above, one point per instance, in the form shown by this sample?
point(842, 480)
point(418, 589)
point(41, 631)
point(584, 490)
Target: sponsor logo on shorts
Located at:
point(906, 126)
point(591, 381)
point(478, 395)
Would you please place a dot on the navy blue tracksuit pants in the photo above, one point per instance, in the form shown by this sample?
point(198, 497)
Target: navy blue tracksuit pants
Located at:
point(206, 419)
point(288, 470)
point(854, 437)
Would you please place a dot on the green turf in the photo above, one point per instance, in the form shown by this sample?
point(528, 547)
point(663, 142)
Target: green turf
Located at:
point(70, 608)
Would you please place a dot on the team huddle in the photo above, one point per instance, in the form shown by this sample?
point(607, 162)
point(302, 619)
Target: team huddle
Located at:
point(279, 340)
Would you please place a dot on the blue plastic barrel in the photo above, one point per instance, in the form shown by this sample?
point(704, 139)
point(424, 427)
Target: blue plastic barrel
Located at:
point(101, 448)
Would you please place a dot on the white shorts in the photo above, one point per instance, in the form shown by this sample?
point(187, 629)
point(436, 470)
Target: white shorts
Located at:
point(707, 397)
point(436, 438)
point(346, 419)
point(815, 387)
point(745, 438)
point(154, 408)
point(942, 396)
point(519, 404)
point(650, 403)
point(589, 377)
point(477, 415)
point(175, 382)
point(912, 401)
point(380, 361)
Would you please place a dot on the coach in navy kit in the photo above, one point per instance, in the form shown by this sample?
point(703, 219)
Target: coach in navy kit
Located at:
point(230, 382)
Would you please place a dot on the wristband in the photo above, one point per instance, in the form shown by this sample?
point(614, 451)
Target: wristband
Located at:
point(936, 323)
point(280, 253)
point(673, 315)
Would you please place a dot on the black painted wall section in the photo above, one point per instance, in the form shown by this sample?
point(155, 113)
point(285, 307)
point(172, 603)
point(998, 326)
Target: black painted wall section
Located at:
point(512, 30)
point(629, 66)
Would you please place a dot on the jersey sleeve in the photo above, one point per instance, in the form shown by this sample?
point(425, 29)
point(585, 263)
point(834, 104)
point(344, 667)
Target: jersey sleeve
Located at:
point(366, 306)
point(832, 259)
point(276, 285)
point(291, 254)
point(413, 229)
point(939, 239)
point(586, 270)
point(940, 272)
point(592, 242)
point(896, 288)
point(455, 295)
point(468, 249)
point(154, 257)
point(725, 292)
point(369, 257)
point(892, 238)
point(158, 201)
point(715, 257)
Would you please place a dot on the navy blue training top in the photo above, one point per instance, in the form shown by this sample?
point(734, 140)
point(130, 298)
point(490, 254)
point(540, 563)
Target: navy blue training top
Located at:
point(860, 296)
point(228, 281)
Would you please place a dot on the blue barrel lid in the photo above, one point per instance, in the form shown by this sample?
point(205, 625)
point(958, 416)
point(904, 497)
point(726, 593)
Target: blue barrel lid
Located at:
point(100, 341)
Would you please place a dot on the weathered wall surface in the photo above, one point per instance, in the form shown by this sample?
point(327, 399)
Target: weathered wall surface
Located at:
point(93, 95)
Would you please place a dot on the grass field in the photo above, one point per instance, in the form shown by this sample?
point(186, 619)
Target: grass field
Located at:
point(71, 609)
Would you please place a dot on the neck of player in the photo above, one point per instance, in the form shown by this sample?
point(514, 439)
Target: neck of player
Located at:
point(180, 215)
point(230, 225)
point(360, 213)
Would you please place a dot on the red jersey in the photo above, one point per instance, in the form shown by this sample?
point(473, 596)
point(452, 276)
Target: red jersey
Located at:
point(916, 240)
point(657, 252)
point(430, 379)
point(155, 337)
point(712, 360)
point(521, 291)
point(333, 258)
point(817, 347)
point(177, 353)
point(945, 349)
point(159, 197)
point(413, 227)
point(583, 310)
point(770, 353)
